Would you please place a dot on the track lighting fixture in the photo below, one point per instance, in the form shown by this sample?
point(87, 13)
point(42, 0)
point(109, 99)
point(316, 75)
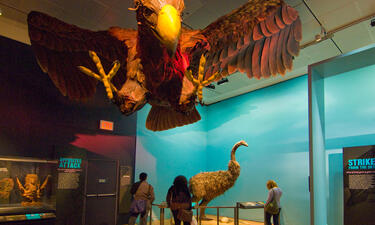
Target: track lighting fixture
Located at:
point(322, 34)
point(210, 86)
point(222, 81)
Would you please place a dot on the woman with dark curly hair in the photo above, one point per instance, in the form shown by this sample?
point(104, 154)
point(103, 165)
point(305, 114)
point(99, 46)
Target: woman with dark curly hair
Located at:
point(178, 199)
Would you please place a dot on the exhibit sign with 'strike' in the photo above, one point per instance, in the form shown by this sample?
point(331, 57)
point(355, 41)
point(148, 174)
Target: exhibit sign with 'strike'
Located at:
point(359, 185)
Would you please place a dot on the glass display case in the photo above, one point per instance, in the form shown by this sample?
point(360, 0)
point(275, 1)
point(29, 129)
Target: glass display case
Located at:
point(27, 188)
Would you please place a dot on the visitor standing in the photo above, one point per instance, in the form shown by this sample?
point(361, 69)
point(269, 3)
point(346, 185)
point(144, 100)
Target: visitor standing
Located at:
point(143, 196)
point(272, 206)
point(179, 200)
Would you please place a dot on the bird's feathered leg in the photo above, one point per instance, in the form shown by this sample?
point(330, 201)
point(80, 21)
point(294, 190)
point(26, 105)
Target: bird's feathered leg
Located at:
point(199, 83)
point(105, 78)
point(204, 202)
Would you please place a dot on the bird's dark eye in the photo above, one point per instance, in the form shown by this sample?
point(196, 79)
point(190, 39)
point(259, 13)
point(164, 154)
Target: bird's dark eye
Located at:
point(147, 12)
point(184, 14)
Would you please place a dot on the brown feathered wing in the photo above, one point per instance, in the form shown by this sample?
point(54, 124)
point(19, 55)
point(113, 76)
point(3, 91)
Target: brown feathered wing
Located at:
point(61, 47)
point(260, 39)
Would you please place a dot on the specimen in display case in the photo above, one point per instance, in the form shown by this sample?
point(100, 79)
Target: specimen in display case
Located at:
point(21, 186)
point(32, 191)
point(162, 63)
point(206, 186)
point(6, 186)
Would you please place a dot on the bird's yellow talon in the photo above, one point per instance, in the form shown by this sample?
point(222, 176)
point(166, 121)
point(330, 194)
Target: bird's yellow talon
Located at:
point(200, 82)
point(105, 78)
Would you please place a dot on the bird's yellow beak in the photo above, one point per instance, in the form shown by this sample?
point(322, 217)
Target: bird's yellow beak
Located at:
point(168, 27)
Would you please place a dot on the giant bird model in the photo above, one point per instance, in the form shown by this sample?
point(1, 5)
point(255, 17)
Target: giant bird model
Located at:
point(162, 63)
point(206, 186)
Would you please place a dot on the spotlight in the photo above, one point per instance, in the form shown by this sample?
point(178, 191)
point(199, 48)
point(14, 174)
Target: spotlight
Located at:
point(222, 81)
point(372, 23)
point(322, 34)
point(318, 38)
point(210, 86)
point(1, 12)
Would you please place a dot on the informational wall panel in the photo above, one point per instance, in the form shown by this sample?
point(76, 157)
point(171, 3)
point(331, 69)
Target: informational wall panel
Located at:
point(359, 185)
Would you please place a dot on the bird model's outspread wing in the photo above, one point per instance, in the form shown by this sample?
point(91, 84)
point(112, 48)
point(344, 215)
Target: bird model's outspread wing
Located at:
point(162, 63)
point(260, 39)
point(61, 47)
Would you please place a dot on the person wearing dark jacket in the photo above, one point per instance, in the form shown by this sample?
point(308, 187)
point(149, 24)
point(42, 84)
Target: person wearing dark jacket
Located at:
point(142, 190)
point(178, 198)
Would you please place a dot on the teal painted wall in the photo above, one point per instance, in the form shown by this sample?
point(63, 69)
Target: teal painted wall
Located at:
point(350, 108)
point(273, 121)
point(167, 154)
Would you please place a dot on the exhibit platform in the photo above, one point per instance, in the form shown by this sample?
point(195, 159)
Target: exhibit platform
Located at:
point(18, 209)
point(18, 214)
point(213, 221)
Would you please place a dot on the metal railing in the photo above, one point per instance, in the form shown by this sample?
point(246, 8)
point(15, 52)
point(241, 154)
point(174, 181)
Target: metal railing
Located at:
point(197, 208)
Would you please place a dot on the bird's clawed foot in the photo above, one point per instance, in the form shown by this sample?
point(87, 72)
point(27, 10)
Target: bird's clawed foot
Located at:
point(205, 218)
point(105, 78)
point(199, 82)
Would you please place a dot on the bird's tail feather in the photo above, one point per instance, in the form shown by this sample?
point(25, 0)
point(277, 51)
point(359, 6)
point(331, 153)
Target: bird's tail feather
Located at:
point(163, 118)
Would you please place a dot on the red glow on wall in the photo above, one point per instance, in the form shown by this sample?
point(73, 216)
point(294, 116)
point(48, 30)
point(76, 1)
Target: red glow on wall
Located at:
point(112, 146)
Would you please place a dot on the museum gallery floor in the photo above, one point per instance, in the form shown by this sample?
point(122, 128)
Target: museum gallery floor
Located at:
point(213, 221)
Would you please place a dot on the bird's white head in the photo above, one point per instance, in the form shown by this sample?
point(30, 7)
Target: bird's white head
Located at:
point(162, 19)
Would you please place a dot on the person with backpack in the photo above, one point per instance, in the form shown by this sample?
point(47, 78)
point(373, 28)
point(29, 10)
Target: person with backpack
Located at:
point(143, 196)
point(272, 206)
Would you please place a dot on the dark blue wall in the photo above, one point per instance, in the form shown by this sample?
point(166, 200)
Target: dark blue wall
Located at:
point(37, 121)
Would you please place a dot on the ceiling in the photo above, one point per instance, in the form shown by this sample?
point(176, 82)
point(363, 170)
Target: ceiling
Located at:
point(334, 15)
